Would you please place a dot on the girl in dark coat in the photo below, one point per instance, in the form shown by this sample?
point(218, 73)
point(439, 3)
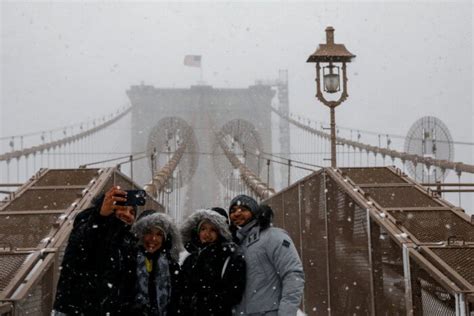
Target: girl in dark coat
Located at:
point(214, 272)
point(158, 271)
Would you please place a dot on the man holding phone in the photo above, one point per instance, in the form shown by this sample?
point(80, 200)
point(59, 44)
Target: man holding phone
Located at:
point(99, 262)
point(121, 203)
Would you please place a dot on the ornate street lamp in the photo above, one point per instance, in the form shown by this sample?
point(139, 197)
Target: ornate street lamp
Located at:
point(333, 57)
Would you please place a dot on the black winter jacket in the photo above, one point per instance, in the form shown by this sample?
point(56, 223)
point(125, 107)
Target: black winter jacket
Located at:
point(213, 274)
point(205, 290)
point(98, 268)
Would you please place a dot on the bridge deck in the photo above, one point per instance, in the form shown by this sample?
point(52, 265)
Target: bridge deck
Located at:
point(372, 240)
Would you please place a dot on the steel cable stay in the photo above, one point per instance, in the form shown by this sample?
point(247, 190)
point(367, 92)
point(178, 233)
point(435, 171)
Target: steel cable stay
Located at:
point(161, 176)
point(284, 161)
point(130, 158)
point(262, 156)
point(260, 188)
point(292, 165)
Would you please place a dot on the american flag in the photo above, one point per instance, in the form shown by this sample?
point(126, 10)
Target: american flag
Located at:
point(192, 60)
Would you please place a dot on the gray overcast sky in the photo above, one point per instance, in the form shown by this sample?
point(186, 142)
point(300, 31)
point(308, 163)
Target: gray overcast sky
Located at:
point(64, 62)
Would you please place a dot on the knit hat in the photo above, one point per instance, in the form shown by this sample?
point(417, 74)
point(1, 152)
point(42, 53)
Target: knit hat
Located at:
point(247, 202)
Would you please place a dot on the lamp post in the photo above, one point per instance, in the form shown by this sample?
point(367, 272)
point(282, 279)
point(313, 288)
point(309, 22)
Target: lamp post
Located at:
point(330, 56)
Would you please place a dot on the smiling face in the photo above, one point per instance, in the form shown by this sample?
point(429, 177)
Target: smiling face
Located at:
point(207, 233)
point(126, 214)
point(153, 240)
point(240, 215)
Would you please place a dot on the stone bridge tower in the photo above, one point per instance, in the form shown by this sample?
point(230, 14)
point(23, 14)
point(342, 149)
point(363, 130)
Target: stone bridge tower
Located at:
point(159, 114)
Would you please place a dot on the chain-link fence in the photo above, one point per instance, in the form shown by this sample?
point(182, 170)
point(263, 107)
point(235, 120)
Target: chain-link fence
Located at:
point(34, 227)
point(373, 242)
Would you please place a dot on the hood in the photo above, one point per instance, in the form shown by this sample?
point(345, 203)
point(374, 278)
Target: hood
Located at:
point(164, 223)
point(189, 226)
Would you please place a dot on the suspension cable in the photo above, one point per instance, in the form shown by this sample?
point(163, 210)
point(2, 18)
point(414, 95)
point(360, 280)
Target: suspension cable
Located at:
point(260, 188)
point(160, 178)
point(396, 136)
point(57, 129)
point(63, 141)
point(403, 156)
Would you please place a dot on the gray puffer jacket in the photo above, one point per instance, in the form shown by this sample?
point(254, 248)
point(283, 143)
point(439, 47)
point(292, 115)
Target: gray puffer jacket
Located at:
point(275, 278)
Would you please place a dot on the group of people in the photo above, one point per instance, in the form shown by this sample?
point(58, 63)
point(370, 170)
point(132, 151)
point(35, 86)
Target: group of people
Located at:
point(119, 262)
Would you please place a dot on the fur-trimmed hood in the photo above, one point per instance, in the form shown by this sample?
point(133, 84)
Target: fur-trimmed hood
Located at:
point(190, 225)
point(162, 222)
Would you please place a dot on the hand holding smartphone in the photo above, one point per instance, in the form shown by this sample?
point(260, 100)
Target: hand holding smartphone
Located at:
point(134, 198)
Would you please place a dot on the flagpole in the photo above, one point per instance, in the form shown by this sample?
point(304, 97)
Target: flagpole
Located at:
point(200, 67)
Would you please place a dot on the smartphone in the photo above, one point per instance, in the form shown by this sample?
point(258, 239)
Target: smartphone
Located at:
point(134, 198)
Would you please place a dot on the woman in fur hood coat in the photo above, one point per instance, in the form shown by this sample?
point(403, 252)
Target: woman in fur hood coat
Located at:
point(158, 271)
point(214, 272)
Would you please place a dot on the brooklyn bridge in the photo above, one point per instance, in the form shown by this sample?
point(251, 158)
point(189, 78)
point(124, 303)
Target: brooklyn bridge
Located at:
point(376, 234)
point(383, 221)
